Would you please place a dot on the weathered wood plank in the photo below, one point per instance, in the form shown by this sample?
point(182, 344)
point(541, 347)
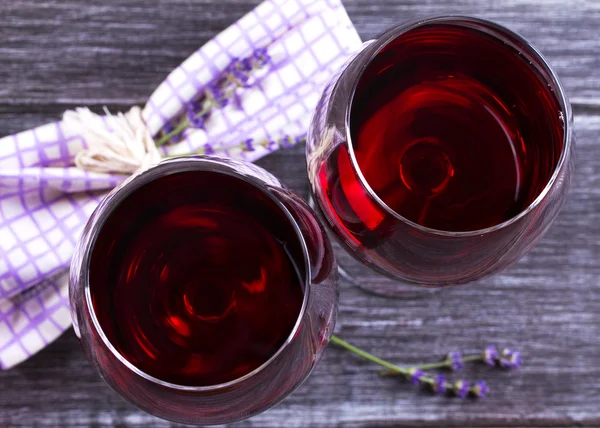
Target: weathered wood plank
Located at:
point(81, 52)
point(568, 34)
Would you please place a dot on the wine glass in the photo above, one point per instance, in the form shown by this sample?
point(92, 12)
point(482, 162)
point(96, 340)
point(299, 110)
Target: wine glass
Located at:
point(203, 290)
point(440, 153)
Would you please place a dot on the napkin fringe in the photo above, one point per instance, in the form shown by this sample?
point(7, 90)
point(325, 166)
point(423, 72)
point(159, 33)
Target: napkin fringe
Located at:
point(116, 144)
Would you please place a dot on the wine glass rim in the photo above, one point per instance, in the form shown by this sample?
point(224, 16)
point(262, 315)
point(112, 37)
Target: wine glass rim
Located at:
point(145, 178)
point(501, 33)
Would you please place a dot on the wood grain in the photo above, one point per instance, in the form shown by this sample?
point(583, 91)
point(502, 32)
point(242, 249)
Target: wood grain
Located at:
point(118, 51)
point(56, 54)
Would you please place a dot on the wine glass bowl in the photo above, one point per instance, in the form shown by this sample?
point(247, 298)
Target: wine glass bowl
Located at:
point(203, 290)
point(441, 152)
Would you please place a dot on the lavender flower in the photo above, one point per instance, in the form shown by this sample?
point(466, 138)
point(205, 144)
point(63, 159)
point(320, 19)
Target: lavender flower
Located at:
point(208, 149)
point(480, 389)
point(439, 384)
point(510, 359)
point(214, 92)
point(168, 128)
point(490, 355)
point(461, 388)
point(196, 105)
point(287, 141)
point(415, 376)
point(248, 145)
point(454, 361)
point(195, 120)
point(218, 95)
point(247, 64)
point(261, 57)
point(241, 77)
point(234, 65)
point(240, 70)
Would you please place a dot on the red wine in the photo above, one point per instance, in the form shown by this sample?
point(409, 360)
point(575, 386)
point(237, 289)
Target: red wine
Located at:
point(195, 278)
point(451, 129)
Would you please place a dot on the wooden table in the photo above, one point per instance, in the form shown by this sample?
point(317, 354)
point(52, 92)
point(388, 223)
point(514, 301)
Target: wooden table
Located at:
point(58, 54)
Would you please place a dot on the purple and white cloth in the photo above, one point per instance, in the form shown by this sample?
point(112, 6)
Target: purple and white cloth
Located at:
point(45, 200)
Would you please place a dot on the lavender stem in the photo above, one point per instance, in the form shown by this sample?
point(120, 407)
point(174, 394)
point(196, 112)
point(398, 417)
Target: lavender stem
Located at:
point(237, 75)
point(171, 134)
point(430, 366)
point(406, 371)
point(368, 356)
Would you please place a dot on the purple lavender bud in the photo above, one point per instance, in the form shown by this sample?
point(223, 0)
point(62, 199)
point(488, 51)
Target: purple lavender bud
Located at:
point(208, 149)
point(214, 92)
point(415, 376)
point(510, 359)
point(516, 360)
point(461, 388)
point(222, 102)
point(287, 141)
point(246, 64)
point(271, 145)
point(490, 355)
point(439, 384)
point(217, 95)
point(299, 139)
point(454, 361)
point(248, 145)
point(233, 65)
point(168, 128)
point(196, 105)
point(261, 57)
point(480, 389)
point(241, 76)
point(195, 120)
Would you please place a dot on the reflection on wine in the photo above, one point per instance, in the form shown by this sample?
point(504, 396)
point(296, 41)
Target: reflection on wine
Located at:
point(203, 290)
point(431, 144)
point(192, 279)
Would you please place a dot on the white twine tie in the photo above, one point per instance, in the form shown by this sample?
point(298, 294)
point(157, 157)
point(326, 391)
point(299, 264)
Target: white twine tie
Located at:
point(118, 144)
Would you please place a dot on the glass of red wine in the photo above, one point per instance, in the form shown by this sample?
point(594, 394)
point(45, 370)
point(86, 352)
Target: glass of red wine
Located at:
point(203, 290)
point(440, 153)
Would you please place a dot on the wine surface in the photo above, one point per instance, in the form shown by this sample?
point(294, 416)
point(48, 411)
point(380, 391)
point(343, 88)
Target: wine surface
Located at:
point(192, 280)
point(452, 129)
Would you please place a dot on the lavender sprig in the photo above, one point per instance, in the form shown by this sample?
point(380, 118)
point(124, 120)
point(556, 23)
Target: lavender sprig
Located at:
point(415, 375)
point(208, 149)
point(455, 361)
point(480, 389)
point(509, 359)
point(490, 356)
point(439, 384)
point(248, 145)
point(462, 388)
point(217, 95)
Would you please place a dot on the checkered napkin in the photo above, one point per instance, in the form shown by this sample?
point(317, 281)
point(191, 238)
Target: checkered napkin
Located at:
point(45, 200)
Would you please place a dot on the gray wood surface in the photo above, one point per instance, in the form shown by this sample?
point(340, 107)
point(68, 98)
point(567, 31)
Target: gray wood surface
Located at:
point(56, 54)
